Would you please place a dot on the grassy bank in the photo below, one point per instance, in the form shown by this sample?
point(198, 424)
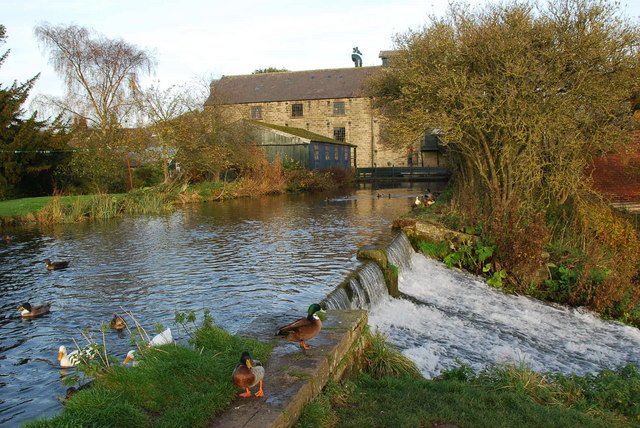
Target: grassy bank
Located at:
point(172, 385)
point(162, 198)
point(502, 396)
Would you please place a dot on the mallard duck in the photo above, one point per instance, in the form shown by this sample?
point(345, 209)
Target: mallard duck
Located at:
point(131, 356)
point(162, 339)
point(73, 358)
point(304, 328)
point(248, 374)
point(29, 311)
point(56, 265)
point(118, 323)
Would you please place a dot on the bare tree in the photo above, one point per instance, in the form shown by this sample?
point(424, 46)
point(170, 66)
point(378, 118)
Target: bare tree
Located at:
point(100, 74)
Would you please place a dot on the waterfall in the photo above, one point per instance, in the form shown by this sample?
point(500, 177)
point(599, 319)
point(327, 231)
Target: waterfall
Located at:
point(448, 317)
point(400, 252)
point(366, 286)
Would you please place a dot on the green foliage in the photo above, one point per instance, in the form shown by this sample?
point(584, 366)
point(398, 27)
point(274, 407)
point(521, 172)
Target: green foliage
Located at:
point(148, 175)
point(473, 256)
point(30, 150)
point(437, 250)
point(499, 396)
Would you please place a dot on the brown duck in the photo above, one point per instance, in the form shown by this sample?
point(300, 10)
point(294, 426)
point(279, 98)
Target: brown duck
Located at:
point(29, 311)
point(247, 374)
point(118, 323)
point(304, 328)
point(56, 265)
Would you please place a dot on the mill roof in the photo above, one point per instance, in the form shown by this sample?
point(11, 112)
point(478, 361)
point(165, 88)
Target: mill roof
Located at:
point(291, 86)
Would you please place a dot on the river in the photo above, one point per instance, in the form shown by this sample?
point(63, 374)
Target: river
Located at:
point(240, 259)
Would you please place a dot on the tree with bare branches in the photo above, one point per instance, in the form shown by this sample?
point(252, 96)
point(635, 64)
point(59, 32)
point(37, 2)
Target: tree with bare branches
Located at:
point(101, 75)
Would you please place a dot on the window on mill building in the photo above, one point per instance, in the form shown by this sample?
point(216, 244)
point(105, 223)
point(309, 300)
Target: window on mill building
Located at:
point(296, 110)
point(256, 112)
point(339, 134)
point(338, 108)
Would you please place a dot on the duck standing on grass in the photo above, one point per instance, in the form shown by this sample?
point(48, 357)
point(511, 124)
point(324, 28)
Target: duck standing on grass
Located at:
point(247, 374)
point(56, 265)
point(28, 311)
point(304, 328)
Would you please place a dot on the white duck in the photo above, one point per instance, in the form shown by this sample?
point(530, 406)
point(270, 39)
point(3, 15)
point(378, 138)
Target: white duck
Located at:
point(131, 356)
point(73, 358)
point(163, 338)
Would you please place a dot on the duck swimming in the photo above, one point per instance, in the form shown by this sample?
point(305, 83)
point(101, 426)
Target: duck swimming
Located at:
point(304, 328)
point(247, 374)
point(73, 358)
point(56, 265)
point(29, 311)
point(118, 323)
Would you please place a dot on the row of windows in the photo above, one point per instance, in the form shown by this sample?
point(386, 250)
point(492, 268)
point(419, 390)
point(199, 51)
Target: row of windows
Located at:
point(339, 153)
point(297, 110)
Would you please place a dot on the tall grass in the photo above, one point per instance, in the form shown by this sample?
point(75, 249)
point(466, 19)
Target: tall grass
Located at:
point(380, 359)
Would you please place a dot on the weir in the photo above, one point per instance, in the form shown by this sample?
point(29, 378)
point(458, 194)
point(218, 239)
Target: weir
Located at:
point(366, 286)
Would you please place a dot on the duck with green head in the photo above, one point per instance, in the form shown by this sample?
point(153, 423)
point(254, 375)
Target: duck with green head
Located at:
point(247, 374)
point(304, 328)
point(27, 310)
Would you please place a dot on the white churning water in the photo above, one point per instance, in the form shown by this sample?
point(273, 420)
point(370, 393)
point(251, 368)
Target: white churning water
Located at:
point(450, 317)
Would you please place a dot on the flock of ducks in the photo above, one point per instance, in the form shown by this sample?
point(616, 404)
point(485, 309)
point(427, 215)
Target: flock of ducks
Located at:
point(247, 374)
point(117, 323)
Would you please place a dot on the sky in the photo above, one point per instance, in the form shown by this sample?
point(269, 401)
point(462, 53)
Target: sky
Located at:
point(197, 40)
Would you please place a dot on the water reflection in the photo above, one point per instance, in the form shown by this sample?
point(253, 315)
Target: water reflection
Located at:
point(239, 259)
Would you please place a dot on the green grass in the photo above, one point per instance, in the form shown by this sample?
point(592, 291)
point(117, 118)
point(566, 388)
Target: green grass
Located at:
point(24, 206)
point(380, 395)
point(406, 402)
point(172, 386)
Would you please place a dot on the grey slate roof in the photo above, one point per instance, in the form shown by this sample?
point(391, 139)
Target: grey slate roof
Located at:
point(290, 86)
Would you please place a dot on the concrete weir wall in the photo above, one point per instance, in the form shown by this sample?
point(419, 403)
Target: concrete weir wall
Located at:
point(294, 377)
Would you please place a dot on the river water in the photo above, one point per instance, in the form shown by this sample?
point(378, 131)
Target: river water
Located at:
point(240, 259)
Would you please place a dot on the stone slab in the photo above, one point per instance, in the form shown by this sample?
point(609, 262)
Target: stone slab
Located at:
point(293, 376)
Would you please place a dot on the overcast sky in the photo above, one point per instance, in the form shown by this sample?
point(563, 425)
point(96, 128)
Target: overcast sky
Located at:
point(196, 39)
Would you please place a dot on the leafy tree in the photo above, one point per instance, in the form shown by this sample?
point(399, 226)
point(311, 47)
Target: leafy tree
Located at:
point(30, 150)
point(163, 109)
point(523, 96)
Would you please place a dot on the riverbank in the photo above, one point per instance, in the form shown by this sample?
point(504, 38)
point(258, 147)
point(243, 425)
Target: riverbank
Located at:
point(162, 198)
point(171, 385)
